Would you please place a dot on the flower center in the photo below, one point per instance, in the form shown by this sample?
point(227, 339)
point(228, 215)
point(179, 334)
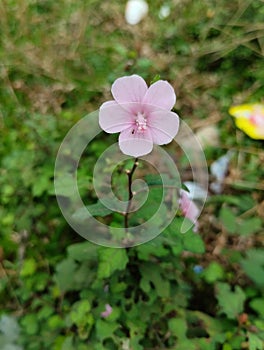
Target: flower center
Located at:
point(141, 122)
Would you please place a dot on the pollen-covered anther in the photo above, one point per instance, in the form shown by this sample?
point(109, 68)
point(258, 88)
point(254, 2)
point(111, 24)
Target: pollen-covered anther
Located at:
point(141, 123)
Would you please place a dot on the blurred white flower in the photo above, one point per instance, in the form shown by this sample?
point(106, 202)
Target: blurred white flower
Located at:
point(136, 10)
point(219, 169)
point(164, 11)
point(196, 191)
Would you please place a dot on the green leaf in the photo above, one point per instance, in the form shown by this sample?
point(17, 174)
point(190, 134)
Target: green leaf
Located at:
point(213, 272)
point(64, 186)
point(244, 202)
point(150, 274)
point(186, 344)
point(43, 184)
point(45, 312)
point(55, 322)
point(192, 242)
point(178, 327)
point(150, 207)
point(110, 260)
point(30, 324)
point(29, 267)
point(105, 329)
point(255, 343)
point(204, 344)
point(68, 343)
point(65, 272)
point(155, 79)
point(97, 209)
point(82, 318)
point(84, 251)
point(249, 226)
point(253, 265)
point(228, 219)
point(227, 346)
point(161, 180)
point(230, 302)
point(213, 326)
point(79, 311)
point(152, 248)
point(258, 306)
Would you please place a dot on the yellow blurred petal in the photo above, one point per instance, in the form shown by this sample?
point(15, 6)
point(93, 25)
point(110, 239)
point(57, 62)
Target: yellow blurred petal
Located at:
point(243, 114)
point(245, 110)
point(250, 129)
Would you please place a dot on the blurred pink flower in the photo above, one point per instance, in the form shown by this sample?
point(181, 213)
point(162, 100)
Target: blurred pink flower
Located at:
point(142, 115)
point(189, 208)
point(107, 312)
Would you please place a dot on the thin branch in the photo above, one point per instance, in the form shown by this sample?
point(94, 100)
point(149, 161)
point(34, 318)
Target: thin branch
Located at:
point(130, 193)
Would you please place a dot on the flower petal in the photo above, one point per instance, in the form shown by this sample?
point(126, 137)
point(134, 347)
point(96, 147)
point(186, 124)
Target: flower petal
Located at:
point(253, 131)
point(113, 118)
point(245, 110)
point(129, 89)
point(136, 10)
point(160, 94)
point(107, 312)
point(164, 126)
point(188, 207)
point(135, 144)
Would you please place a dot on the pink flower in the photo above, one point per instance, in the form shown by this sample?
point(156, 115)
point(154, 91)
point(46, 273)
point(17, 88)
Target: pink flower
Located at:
point(189, 208)
point(142, 115)
point(107, 312)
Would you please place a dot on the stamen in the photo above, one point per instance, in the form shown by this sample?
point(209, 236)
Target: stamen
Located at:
point(141, 123)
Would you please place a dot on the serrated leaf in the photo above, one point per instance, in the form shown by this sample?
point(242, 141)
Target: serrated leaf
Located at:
point(30, 323)
point(258, 306)
point(250, 226)
point(84, 251)
point(65, 272)
point(213, 272)
point(153, 275)
point(192, 242)
point(110, 260)
point(161, 180)
point(255, 343)
point(97, 209)
point(178, 327)
point(230, 302)
point(80, 309)
point(105, 329)
point(213, 326)
point(253, 265)
point(228, 219)
point(152, 248)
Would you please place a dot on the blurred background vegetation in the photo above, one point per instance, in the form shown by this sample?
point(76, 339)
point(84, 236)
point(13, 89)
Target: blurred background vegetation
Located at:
point(57, 62)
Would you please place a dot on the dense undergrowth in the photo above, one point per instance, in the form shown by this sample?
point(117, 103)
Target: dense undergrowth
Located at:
point(194, 291)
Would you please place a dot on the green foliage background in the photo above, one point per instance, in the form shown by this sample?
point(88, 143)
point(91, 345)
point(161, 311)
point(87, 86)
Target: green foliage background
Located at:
point(201, 292)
